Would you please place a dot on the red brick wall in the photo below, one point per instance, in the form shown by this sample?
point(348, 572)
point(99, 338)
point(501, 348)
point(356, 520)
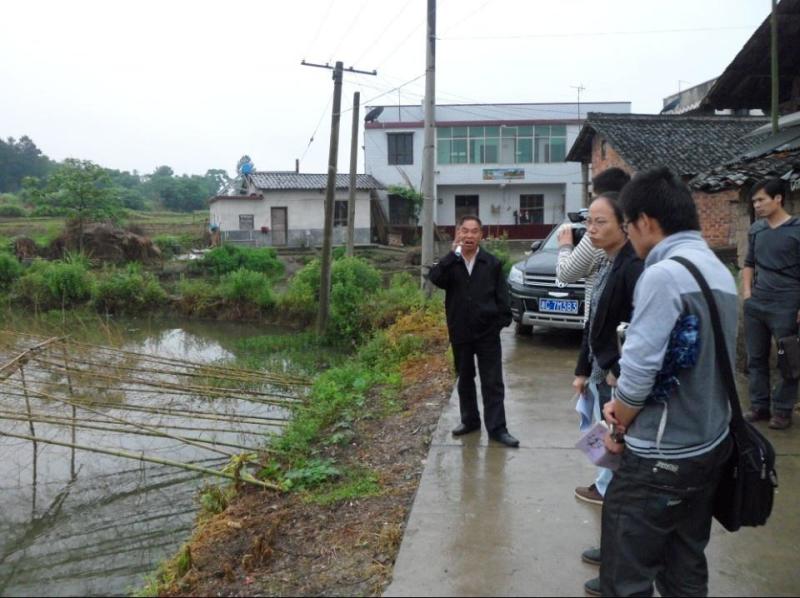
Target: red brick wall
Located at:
point(718, 211)
point(718, 216)
point(603, 158)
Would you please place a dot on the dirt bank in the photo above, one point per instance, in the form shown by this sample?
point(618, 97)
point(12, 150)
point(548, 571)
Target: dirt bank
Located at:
point(283, 544)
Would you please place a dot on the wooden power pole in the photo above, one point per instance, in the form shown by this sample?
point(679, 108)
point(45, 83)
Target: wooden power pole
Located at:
point(351, 199)
point(774, 65)
point(428, 152)
point(330, 191)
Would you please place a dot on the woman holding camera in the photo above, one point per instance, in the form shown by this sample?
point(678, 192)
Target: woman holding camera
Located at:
point(611, 304)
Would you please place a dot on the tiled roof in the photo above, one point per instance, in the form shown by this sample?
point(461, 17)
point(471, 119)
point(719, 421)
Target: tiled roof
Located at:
point(784, 164)
point(293, 181)
point(686, 144)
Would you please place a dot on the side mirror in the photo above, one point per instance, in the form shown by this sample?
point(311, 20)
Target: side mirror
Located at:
point(536, 245)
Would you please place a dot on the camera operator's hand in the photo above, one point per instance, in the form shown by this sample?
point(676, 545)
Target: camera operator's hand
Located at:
point(564, 235)
point(612, 446)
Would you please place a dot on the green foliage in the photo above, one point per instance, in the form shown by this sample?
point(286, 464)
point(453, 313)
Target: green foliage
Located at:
point(414, 198)
point(498, 247)
point(302, 293)
point(78, 189)
point(310, 474)
point(354, 485)
point(128, 290)
point(198, 298)
point(20, 159)
point(302, 351)
point(402, 296)
point(48, 285)
point(11, 211)
point(353, 282)
point(10, 270)
point(245, 287)
point(169, 245)
point(215, 498)
point(228, 258)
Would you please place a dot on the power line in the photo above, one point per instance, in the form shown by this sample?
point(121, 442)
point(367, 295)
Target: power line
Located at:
point(343, 37)
point(319, 122)
point(321, 24)
point(379, 37)
point(590, 34)
point(469, 16)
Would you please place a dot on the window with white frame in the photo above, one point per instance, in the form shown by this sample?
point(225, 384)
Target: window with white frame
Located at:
point(531, 209)
point(501, 145)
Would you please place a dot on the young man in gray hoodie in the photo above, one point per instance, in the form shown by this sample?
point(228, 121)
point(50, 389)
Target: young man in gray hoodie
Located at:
point(658, 508)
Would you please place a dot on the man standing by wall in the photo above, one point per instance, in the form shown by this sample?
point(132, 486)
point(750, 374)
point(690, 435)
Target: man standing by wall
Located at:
point(478, 307)
point(658, 508)
point(771, 290)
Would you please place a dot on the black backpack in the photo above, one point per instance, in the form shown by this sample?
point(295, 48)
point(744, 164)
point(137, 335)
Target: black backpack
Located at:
point(746, 490)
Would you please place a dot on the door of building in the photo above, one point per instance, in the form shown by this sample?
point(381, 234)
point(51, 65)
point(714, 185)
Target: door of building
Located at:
point(466, 205)
point(280, 226)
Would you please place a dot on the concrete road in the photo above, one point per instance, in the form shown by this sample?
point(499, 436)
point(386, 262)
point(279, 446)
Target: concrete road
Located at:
point(491, 521)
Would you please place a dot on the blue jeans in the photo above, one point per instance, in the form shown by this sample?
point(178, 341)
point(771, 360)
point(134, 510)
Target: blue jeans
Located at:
point(763, 321)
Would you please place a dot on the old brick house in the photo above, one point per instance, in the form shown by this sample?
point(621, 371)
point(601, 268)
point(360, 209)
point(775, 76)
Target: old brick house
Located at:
point(688, 145)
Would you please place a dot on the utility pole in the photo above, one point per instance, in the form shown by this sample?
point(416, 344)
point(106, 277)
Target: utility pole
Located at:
point(774, 65)
point(351, 200)
point(330, 191)
point(428, 153)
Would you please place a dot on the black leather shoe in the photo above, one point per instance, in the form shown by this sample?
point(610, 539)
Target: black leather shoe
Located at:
point(462, 429)
point(505, 438)
point(592, 587)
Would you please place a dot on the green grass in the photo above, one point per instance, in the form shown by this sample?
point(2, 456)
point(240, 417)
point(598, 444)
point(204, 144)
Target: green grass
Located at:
point(355, 484)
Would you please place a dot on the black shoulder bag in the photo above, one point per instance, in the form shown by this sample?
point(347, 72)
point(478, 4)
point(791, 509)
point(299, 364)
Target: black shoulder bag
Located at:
point(746, 490)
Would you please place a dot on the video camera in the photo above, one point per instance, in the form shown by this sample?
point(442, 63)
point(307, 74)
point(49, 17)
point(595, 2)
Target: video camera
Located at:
point(578, 218)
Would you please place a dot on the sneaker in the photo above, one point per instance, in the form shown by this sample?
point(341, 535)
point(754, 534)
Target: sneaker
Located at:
point(591, 556)
point(780, 421)
point(757, 414)
point(589, 494)
point(592, 587)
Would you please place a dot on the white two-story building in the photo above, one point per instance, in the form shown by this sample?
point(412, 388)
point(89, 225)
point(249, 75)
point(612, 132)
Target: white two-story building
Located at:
point(503, 162)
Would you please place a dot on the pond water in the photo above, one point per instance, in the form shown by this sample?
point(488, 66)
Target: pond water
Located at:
point(95, 524)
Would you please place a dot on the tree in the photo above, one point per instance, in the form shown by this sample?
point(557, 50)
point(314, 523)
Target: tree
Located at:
point(80, 190)
point(19, 159)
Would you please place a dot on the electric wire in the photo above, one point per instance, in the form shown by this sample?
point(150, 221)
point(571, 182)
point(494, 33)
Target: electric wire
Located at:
point(588, 34)
point(321, 24)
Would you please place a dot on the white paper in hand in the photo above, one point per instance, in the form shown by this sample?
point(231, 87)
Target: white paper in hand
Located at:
point(592, 445)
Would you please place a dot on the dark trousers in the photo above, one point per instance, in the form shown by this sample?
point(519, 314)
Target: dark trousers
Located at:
point(763, 321)
point(487, 350)
point(656, 524)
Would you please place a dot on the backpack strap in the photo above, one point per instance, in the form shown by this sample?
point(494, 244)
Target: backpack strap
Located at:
point(723, 358)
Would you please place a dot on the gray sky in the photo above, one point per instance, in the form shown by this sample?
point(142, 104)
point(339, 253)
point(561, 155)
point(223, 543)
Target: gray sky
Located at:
point(136, 84)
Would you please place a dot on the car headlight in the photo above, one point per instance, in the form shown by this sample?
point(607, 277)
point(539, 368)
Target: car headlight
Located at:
point(516, 276)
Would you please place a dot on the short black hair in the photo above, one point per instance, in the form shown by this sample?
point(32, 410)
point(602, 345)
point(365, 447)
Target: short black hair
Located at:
point(772, 187)
point(663, 196)
point(612, 198)
point(463, 219)
point(611, 179)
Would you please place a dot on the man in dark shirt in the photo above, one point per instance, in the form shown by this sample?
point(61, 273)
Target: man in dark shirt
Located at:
point(771, 289)
point(478, 307)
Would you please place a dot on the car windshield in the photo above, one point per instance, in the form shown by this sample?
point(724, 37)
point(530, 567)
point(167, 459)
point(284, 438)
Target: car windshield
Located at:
point(551, 242)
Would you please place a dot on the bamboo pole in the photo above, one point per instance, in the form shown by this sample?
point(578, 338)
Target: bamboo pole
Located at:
point(122, 430)
point(158, 461)
point(17, 362)
point(208, 391)
point(32, 429)
point(241, 419)
point(134, 424)
point(74, 409)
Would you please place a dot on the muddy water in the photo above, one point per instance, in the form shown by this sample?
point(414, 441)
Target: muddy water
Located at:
point(101, 530)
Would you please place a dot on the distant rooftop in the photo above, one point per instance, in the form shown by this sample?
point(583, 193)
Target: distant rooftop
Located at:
point(294, 181)
point(686, 144)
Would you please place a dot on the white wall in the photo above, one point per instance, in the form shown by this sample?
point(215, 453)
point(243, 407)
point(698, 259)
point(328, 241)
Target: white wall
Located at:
point(504, 199)
point(553, 179)
point(305, 210)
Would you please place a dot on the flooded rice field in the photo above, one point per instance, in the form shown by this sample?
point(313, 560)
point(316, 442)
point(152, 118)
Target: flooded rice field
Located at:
point(101, 436)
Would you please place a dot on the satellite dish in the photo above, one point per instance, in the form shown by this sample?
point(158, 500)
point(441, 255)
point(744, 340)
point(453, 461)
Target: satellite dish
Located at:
point(373, 114)
point(245, 165)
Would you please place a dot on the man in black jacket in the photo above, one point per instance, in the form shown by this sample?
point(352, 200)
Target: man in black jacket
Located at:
point(478, 307)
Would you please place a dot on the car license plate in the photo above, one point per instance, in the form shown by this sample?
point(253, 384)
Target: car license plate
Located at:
point(559, 306)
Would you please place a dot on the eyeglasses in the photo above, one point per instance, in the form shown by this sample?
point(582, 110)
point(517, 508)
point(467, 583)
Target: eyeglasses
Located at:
point(599, 223)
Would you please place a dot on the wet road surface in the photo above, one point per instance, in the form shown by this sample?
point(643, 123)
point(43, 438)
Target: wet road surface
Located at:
point(488, 520)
